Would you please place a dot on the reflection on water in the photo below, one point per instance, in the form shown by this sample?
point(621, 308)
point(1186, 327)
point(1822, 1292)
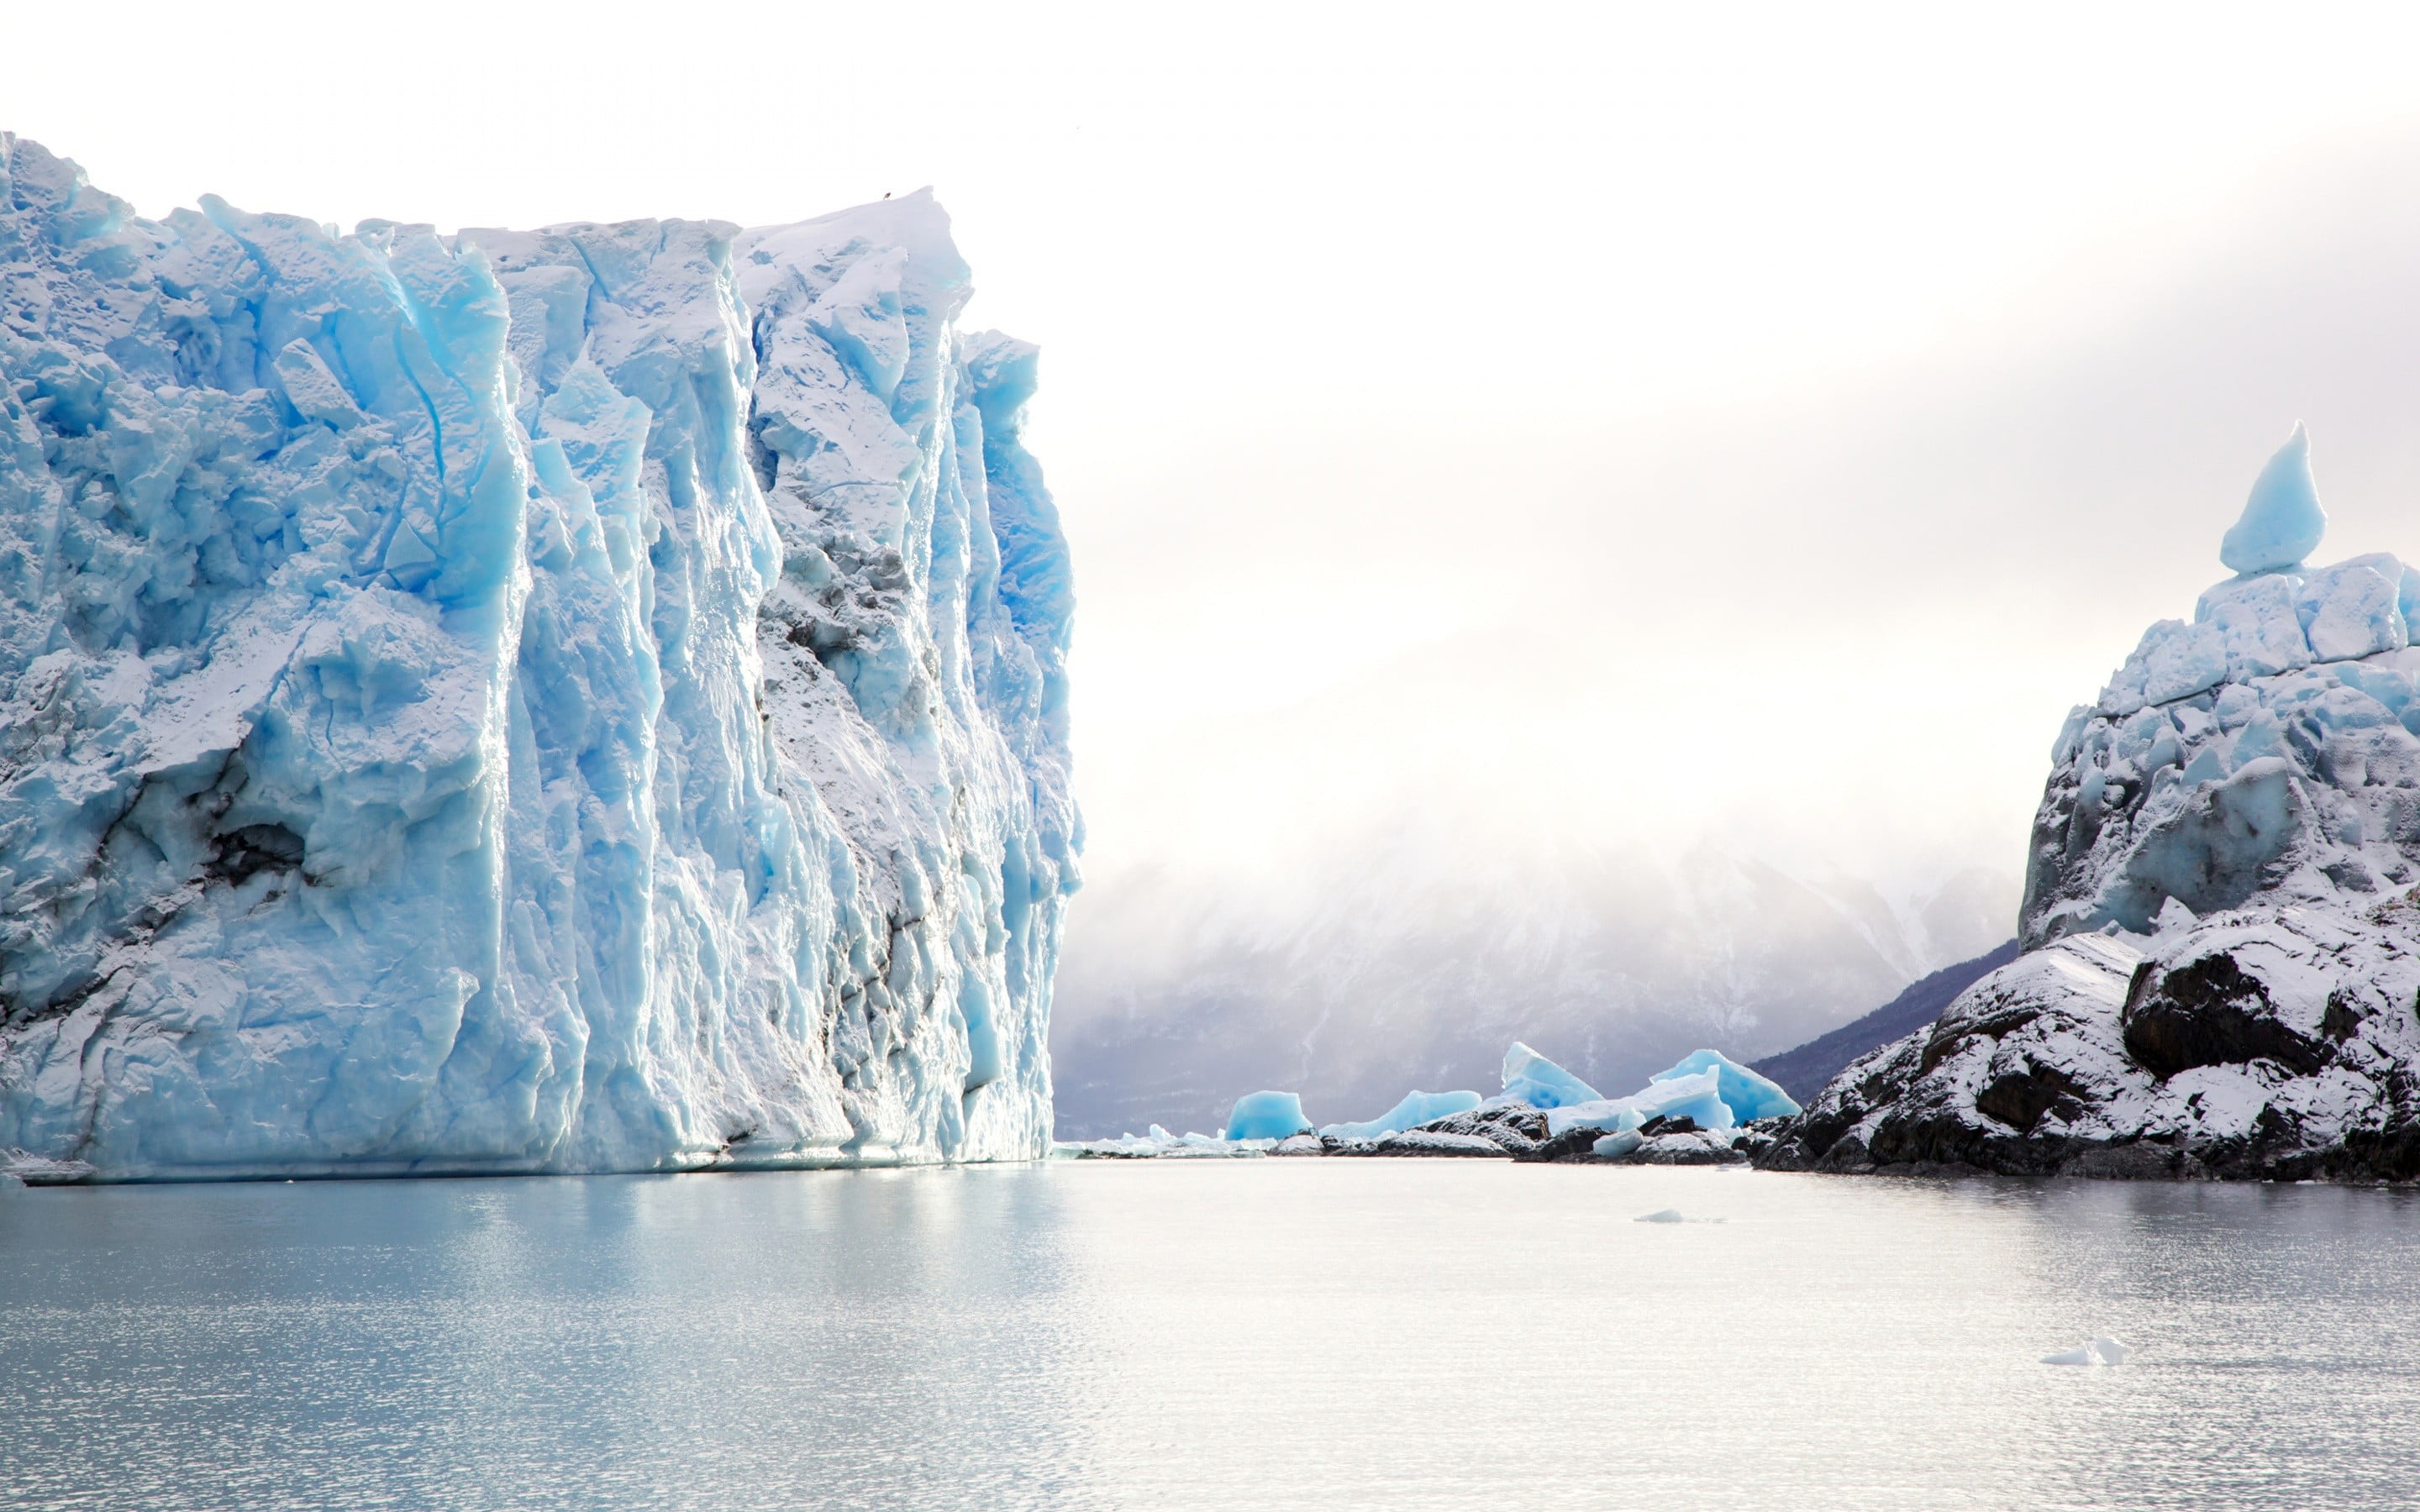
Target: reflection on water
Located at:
point(1378, 1334)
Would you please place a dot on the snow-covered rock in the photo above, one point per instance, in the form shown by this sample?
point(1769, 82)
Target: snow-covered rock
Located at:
point(2222, 911)
point(589, 699)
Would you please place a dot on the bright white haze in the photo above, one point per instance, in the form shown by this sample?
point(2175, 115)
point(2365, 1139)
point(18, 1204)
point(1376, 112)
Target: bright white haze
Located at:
point(1643, 426)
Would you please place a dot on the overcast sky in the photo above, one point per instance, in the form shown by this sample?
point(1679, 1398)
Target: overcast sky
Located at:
point(1658, 422)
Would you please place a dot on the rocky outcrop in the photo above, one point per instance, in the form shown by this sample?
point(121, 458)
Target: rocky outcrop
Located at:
point(2221, 922)
point(2270, 1043)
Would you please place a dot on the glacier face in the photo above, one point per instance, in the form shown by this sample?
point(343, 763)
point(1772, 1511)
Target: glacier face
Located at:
point(589, 699)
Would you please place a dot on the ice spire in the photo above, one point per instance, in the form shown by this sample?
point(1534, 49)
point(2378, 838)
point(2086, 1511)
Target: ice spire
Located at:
point(2282, 520)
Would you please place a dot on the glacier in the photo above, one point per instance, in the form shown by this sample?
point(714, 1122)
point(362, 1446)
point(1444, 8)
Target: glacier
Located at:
point(581, 699)
point(2221, 923)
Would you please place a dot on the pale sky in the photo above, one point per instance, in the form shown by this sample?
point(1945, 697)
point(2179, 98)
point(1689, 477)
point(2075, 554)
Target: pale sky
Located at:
point(1655, 421)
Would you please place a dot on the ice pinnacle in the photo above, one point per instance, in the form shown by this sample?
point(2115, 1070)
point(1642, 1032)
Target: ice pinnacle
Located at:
point(2281, 521)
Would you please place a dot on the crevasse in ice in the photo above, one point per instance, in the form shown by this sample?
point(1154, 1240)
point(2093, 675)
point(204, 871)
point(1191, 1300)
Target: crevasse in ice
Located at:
point(582, 700)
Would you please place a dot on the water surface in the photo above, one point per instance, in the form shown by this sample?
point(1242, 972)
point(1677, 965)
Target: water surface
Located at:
point(1367, 1334)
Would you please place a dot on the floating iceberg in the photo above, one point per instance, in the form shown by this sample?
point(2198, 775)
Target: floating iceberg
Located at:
point(1748, 1095)
point(2099, 1352)
point(1530, 1077)
point(1416, 1108)
point(1266, 1115)
point(1707, 1088)
point(1697, 1096)
point(589, 699)
point(1662, 1215)
point(1546, 1112)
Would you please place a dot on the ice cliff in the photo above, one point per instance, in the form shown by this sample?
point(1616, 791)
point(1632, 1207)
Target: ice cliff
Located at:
point(589, 699)
point(2221, 922)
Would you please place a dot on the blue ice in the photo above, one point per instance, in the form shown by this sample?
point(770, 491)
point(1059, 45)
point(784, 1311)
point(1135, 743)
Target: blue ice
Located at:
point(1416, 1108)
point(1693, 1095)
point(582, 700)
point(1266, 1115)
point(1530, 1077)
point(1746, 1093)
point(2281, 521)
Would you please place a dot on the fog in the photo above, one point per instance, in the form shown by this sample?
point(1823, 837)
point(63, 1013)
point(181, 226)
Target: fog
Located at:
point(1724, 724)
point(1587, 518)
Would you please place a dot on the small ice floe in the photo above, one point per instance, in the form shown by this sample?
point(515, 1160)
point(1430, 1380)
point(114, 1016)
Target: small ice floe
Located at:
point(1667, 1215)
point(2099, 1352)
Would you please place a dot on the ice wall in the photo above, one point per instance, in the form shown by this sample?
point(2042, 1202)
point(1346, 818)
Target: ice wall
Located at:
point(580, 700)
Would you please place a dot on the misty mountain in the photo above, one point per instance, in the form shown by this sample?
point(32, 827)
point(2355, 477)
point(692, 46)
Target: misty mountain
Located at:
point(1407, 963)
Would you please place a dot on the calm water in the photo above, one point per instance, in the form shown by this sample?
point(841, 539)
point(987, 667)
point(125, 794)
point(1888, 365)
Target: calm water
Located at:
point(1380, 1333)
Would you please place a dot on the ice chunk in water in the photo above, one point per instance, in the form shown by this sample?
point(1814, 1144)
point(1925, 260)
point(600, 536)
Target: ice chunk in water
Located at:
point(1617, 1144)
point(2101, 1351)
point(1747, 1094)
point(1666, 1216)
point(1416, 1108)
point(1266, 1115)
point(1530, 1077)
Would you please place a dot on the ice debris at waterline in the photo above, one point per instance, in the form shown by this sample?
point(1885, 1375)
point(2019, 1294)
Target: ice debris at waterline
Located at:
point(2222, 907)
point(2099, 1352)
point(589, 699)
point(1707, 1110)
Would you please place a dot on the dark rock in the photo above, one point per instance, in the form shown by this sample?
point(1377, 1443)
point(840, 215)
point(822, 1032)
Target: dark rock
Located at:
point(2210, 1012)
point(1428, 1142)
point(2270, 1043)
point(2020, 1097)
point(1518, 1129)
point(1571, 1144)
point(1696, 1147)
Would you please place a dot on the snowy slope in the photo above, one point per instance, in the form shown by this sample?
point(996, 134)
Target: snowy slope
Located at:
point(578, 700)
point(2222, 909)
